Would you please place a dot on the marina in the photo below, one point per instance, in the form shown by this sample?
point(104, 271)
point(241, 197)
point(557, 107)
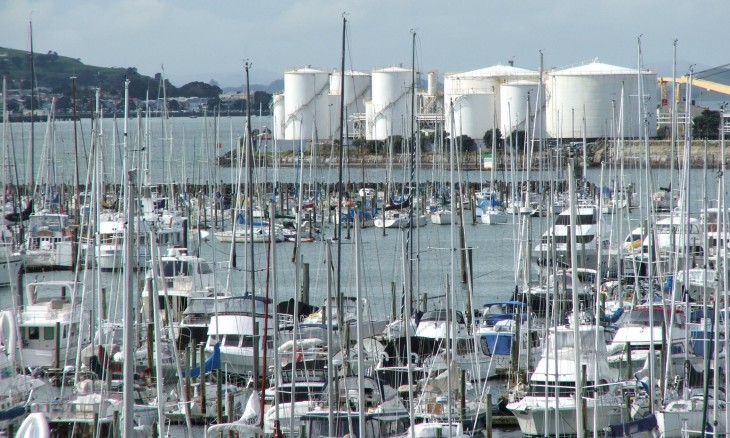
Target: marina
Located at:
point(383, 280)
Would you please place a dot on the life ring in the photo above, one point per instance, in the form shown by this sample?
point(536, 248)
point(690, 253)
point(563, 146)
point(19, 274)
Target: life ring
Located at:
point(44, 233)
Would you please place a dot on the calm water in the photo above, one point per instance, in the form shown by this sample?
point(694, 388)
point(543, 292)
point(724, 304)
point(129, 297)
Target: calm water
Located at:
point(381, 257)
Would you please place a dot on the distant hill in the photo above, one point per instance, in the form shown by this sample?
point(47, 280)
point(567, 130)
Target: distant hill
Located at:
point(276, 86)
point(53, 71)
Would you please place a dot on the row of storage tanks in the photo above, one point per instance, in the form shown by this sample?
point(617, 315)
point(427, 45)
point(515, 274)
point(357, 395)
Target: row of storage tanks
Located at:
point(594, 100)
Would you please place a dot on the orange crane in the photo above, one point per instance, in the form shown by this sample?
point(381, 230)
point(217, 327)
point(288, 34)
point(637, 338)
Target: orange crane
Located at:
point(702, 83)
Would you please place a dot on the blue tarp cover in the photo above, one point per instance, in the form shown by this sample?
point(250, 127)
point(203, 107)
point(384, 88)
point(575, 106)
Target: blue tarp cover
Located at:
point(499, 343)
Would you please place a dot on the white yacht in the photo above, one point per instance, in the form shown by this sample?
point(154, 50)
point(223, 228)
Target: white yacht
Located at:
point(552, 386)
point(49, 324)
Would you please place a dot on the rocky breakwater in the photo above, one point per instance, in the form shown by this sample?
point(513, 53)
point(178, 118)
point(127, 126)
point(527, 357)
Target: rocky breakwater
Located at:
point(660, 153)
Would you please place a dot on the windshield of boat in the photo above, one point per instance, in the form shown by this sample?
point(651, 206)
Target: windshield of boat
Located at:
point(641, 317)
point(581, 219)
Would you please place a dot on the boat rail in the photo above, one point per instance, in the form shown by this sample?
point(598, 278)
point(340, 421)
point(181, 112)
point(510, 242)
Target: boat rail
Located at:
point(72, 412)
point(46, 314)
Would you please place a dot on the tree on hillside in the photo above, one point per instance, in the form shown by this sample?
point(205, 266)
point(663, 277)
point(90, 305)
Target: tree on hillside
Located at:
point(706, 125)
point(488, 139)
point(199, 89)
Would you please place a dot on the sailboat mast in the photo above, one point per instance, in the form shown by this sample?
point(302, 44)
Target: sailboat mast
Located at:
point(249, 189)
point(128, 331)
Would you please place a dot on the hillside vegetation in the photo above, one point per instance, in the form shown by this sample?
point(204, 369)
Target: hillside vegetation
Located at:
point(53, 71)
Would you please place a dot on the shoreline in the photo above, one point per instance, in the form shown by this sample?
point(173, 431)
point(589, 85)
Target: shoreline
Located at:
point(599, 153)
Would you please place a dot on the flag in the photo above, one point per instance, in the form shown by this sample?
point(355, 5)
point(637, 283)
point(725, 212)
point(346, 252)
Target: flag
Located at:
point(211, 364)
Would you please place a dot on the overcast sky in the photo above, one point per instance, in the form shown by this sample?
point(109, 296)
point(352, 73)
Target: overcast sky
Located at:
point(204, 40)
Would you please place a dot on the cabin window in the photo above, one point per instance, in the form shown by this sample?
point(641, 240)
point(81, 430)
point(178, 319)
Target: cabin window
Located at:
point(485, 347)
point(464, 346)
point(34, 333)
point(231, 341)
point(65, 332)
point(48, 334)
point(248, 342)
point(204, 268)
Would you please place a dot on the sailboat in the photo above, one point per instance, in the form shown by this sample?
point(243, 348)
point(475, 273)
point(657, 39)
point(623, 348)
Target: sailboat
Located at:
point(492, 210)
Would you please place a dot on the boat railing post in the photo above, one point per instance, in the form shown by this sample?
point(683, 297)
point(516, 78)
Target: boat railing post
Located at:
point(219, 394)
point(201, 380)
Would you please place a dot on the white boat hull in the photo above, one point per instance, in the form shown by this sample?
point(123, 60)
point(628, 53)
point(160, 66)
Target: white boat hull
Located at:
point(531, 415)
point(494, 217)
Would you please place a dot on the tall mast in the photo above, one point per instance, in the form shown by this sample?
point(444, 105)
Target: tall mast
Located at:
point(31, 160)
point(249, 189)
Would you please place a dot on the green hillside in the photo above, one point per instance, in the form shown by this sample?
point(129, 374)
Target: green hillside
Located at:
point(54, 72)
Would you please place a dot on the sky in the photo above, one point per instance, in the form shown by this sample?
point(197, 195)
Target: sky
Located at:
point(205, 40)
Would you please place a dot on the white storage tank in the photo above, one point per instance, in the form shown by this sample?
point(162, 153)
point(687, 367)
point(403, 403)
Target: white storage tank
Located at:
point(594, 92)
point(473, 115)
point(306, 102)
point(433, 83)
point(357, 89)
point(391, 102)
point(513, 104)
point(279, 117)
point(475, 94)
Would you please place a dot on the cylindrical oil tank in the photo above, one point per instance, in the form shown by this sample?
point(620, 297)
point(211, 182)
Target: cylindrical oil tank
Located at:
point(279, 117)
point(357, 89)
point(391, 96)
point(513, 104)
point(433, 83)
point(595, 93)
point(473, 120)
point(306, 102)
